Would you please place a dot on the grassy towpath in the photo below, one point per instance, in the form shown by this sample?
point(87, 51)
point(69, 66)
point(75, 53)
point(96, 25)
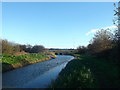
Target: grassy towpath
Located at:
point(88, 72)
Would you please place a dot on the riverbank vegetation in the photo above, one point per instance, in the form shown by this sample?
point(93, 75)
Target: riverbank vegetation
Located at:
point(96, 66)
point(16, 55)
point(103, 45)
point(88, 72)
point(10, 62)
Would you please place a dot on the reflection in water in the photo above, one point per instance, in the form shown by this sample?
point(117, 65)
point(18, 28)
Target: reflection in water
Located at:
point(35, 75)
point(45, 79)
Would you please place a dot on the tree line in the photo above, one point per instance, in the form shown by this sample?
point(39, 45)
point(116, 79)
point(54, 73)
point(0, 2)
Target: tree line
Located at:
point(104, 44)
point(12, 48)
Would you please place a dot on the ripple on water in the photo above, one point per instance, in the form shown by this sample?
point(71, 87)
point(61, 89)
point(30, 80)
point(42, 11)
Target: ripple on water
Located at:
point(35, 75)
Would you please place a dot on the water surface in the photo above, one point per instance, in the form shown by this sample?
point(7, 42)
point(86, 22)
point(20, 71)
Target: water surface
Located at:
point(38, 75)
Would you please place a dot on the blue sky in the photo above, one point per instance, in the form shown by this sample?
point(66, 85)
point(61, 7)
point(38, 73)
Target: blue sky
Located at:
point(54, 25)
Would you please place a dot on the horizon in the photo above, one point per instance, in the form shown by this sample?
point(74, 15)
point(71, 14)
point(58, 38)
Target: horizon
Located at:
point(55, 25)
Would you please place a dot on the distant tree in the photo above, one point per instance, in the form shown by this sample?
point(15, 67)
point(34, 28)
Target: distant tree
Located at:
point(28, 48)
point(37, 49)
point(12, 48)
point(105, 44)
point(22, 47)
point(81, 49)
point(116, 21)
point(7, 47)
point(116, 49)
point(90, 49)
point(102, 41)
point(16, 48)
point(0, 46)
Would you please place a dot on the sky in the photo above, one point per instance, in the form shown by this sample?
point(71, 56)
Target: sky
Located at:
point(55, 24)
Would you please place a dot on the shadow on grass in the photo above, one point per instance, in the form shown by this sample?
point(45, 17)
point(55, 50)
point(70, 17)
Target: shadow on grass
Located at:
point(74, 75)
point(88, 72)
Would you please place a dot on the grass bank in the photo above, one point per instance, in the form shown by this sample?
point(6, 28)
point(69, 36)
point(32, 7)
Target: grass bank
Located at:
point(88, 72)
point(10, 62)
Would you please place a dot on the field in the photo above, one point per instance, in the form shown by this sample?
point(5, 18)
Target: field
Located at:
point(63, 51)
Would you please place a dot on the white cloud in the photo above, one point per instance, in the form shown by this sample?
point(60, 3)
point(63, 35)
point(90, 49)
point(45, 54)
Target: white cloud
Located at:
point(91, 31)
point(111, 28)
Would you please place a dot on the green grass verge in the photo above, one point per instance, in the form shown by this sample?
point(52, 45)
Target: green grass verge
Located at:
point(88, 72)
point(10, 62)
point(11, 59)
